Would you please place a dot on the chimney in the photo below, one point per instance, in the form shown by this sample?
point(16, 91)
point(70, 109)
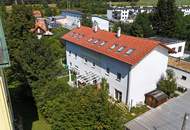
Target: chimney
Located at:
point(118, 32)
point(95, 26)
point(78, 24)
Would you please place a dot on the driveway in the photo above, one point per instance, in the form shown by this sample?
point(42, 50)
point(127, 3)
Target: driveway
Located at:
point(168, 116)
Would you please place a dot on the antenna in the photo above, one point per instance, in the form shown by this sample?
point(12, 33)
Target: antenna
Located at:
point(186, 117)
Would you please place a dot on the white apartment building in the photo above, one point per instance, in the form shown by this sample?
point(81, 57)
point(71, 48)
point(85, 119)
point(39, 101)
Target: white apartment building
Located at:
point(103, 24)
point(181, 69)
point(127, 13)
point(185, 10)
point(131, 65)
point(177, 45)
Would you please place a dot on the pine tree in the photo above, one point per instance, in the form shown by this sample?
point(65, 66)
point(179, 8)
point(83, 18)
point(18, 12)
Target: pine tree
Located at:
point(164, 19)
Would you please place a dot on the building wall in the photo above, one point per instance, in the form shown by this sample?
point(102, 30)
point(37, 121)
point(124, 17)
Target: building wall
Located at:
point(101, 63)
point(5, 109)
point(109, 14)
point(145, 75)
point(176, 46)
point(142, 77)
point(102, 23)
point(178, 75)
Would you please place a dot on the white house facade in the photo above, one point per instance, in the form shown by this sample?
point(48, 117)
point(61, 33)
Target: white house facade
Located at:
point(185, 10)
point(181, 69)
point(129, 64)
point(103, 24)
point(177, 45)
point(127, 13)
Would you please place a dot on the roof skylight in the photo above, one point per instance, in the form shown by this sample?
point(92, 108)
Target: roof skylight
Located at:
point(129, 51)
point(113, 46)
point(95, 41)
point(89, 40)
point(121, 49)
point(102, 43)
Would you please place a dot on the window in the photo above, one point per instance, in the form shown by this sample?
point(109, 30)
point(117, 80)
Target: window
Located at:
point(89, 40)
point(113, 46)
point(129, 51)
point(119, 76)
point(70, 63)
point(183, 77)
point(121, 49)
point(75, 55)
point(180, 49)
point(93, 63)
point(118, 95)
point(69, 53)
point(107, 70)
point(86, 60)
point(102, 43)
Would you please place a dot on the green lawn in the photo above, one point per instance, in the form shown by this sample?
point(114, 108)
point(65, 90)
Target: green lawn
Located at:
point(40, 124)
point(151, 2)
point(26, 113)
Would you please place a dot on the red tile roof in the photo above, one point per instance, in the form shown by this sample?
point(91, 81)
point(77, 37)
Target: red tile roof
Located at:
point(37, 13)
point(81, 36)
point(40, 23)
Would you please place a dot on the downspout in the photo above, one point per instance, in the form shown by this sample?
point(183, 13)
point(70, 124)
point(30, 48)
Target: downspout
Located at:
point(128, 86)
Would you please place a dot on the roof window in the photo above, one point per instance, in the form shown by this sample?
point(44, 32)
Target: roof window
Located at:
point(103, 43)
point(129, 51)
point(89, 40)
point(95, 41)
point(121, 49)
point(113, 46)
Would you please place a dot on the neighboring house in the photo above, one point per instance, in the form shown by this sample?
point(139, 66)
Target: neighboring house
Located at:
point(177, 45)
point(126, 14)
point(41, 28)
point(71, 18)
point(6, 115)
point(131, 65)
point(55, 21)
point(103, 23)
point(181, 69)
point(37, 14)
point(185, 10)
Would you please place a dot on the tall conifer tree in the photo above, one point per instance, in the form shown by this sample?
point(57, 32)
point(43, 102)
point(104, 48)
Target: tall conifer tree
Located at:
point(164, 19)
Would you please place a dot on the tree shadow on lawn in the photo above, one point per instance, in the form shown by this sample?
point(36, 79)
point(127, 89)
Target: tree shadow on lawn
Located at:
point(24, 108)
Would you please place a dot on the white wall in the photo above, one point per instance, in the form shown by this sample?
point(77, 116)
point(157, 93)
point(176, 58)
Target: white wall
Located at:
point(5, 112)
point(145, 75)
point(176, 46)
point(109, 14)
point(102, 62)
point(178, 74)
point(102, 23)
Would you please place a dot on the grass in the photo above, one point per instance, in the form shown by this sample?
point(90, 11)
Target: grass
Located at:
point(40, 124)
point(25, 112)
point(150, 2)
point(135, 111)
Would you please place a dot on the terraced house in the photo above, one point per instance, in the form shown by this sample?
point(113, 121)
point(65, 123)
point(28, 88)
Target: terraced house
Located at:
point(131, 65)
point(6, 120)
